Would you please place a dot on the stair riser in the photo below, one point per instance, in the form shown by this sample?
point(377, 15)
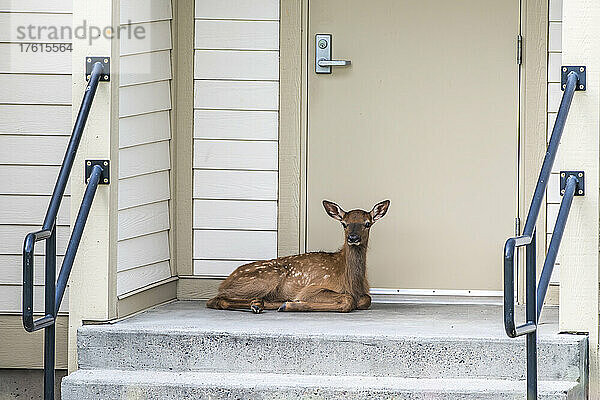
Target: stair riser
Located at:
point(417, 358)
point(97, 391)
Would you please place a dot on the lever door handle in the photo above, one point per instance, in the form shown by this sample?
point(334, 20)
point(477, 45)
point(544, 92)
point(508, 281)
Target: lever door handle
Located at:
point(323, 55)
point(334, 63)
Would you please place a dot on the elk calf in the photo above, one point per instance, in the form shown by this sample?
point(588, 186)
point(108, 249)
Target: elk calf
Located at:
point(308, 282)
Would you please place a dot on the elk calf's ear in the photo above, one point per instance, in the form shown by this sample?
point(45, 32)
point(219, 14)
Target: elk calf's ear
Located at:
point(334, 210)
point(379, 210)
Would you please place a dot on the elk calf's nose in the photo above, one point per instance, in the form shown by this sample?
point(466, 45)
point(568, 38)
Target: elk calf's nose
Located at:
point(353, 238)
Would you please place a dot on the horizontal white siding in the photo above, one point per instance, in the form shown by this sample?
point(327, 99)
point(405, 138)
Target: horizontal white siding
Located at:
point(238, 9)
point(12, 298)
point(237, 95)
point(227, 154)
point(216, 268)
point(33, 150)
point(13, 60)
point(145, 68)
point(235, 155)
point(14, 275)
point(142, 220)
point(35, 120)
point(156, 37)
point(143, 252)
point(38, 6)
point(144, 159)
point(31, 210)
point(144, 189)
point(35, 89)
point(235, 125)
point(145, 128)
point(240, 65)
point(235, 245)
point(237, 35)
point(235, 214)
point(242, 185)
point(136, 11)
point(27, 179)
point(35, 125)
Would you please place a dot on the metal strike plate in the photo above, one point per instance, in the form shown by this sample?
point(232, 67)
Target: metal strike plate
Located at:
point(579, 70)
point(89, 64)
point(580, 175)
point(105, 164)
point(322, 52)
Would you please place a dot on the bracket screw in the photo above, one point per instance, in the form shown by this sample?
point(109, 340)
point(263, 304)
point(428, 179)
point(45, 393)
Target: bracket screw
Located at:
point(581, 87)
point(580, 174)
point(105, 163)
point(105, 77)
point(106, 61)
point(89, 60)
point(581, 69)
point(562, 174)
point(105, 180)
point(89, 163)
point(564, 69)
point(564, 86)
point(581, 192)
point(562, 191)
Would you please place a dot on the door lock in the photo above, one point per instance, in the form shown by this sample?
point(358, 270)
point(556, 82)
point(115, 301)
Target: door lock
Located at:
point(323, 61)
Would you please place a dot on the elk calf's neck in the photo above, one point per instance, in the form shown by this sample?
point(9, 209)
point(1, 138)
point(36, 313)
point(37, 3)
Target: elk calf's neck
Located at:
point(316, 281)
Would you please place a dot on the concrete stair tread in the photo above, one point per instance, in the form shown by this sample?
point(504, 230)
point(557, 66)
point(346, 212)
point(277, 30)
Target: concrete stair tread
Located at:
point(390, 340)
point(402, 321)
point(299, 384)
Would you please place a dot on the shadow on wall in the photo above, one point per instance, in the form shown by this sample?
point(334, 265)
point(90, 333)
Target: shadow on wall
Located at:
point(26, 384)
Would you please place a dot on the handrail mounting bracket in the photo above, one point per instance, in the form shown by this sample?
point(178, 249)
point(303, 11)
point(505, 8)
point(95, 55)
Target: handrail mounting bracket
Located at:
point(104, 164)
point(580, 70)
point(89, 65)
point(580, 188)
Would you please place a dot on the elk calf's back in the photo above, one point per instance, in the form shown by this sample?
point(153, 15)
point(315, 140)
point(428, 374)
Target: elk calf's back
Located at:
point(316, 281)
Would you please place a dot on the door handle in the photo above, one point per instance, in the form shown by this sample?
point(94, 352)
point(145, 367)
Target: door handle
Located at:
point(323, 61)
point(334, 63)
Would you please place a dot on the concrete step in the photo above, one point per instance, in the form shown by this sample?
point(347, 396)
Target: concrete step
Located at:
point(377, 343)
point(161, 385)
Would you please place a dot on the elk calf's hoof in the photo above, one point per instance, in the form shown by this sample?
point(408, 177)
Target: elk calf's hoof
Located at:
point(256, 309)
point(282, 307)
point(257, 306)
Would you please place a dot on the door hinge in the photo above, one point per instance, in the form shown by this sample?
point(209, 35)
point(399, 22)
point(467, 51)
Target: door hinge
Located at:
point(517, 226)
point(519, 49)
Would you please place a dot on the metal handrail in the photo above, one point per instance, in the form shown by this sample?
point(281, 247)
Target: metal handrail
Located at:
point(535, 293)
point(54, 290)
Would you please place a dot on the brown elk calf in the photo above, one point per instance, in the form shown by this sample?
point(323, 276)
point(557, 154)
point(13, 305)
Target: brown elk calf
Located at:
point(308, 282)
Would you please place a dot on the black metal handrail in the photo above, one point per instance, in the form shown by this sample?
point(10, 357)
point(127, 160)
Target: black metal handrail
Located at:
point(535, 293)
point(54, 290)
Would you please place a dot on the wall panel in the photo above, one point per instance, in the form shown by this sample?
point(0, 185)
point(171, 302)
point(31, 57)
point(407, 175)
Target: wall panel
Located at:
point(236, 113)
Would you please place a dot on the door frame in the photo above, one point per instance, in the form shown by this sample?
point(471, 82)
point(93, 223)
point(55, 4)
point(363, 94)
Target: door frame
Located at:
point(293, 117)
